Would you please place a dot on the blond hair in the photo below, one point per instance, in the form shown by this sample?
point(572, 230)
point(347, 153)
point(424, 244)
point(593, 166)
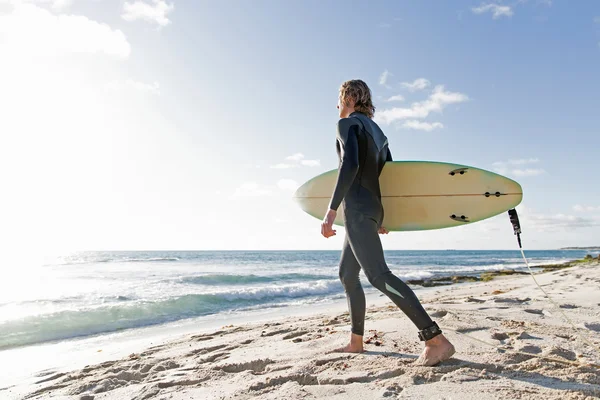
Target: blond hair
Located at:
point(359, 92)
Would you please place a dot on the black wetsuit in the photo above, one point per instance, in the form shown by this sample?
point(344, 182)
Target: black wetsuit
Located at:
point(363, 151)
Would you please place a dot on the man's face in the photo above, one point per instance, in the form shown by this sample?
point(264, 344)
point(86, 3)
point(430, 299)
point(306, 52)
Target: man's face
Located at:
point(344, 110)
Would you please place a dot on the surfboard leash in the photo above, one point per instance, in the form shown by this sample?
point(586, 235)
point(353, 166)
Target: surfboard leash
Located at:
point(514, 219)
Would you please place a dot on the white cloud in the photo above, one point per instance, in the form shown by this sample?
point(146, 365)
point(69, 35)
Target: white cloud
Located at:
point(509, 167)
point(287, 185)
point(297, 160)
point(436, 102)
point(422, 126)
point(156, 11)
point(398, 97)
point(144, 87)
point(295, 157)
point(527, 172)
point(385, 25)
point(558, 222)
point(283, 166)
point(384, 77)
point(580, 208)
point(521, 161)
point(597, 20)
point(252, 189)
point(55, 4)
point(310, 163)
point(417, 84)
point(496, 10)
point(33, 31)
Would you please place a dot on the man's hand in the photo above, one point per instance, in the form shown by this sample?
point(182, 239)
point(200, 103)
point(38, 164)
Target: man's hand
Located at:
point(382, 230)
point(326, 225)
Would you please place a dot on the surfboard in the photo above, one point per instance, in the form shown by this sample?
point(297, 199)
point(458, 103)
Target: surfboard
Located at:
point(423, 195)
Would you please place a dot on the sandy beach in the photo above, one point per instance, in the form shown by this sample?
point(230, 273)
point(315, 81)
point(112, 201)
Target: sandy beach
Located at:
point(491, 324)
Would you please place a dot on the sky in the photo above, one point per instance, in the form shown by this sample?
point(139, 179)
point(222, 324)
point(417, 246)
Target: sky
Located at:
point(187, 125)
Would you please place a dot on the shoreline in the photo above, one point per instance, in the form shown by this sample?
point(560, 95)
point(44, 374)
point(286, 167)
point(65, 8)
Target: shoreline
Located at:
point(415, 284)
point(489, 275)
point(287, 357)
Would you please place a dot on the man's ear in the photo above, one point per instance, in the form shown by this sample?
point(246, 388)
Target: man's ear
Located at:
point(350, 102)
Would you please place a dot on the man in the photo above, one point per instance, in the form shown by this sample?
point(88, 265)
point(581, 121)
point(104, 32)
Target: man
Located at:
point(362, 150)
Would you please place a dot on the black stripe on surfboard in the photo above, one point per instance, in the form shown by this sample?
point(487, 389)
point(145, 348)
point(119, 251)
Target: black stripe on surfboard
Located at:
point(424, 195)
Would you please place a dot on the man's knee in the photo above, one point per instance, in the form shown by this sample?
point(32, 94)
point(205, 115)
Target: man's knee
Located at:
point(349, 280)
point(378, 279)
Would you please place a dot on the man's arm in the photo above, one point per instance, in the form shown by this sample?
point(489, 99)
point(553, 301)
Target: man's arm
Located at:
point(347, 137)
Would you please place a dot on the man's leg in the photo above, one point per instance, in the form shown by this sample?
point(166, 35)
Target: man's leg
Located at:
point(366, 246)
point(349, 276)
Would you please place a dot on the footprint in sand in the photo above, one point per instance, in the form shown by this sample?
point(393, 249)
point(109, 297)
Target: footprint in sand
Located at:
point(592, 326)
point(531, 349)
point(560, 352)
point(206, 350)
point(214, 357)
point(294, 335)
point(534, 311)
point(438, 314)
point(499, 336)
point(511, 300)
point(256, 366)
point(568, 306)
point(474, 300)
point(277, 332)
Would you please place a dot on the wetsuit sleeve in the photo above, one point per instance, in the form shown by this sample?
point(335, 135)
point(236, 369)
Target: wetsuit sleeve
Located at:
point(389, 155)
point(347, 137)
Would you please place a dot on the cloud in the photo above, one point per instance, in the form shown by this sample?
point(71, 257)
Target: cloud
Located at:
point(55, 4)
point(559, 222)
point(33, 31)
point(580, 208)
point(521, 161)
point(422, 126)
point(297, 160)
point(496, 10)
point(295, 157)
point(509, 167)
point(384, 77)
point(385, 25)
point(527, 172)
point(417, 84)
point(156, 11)
point(398, 97)
point(597, 20)
point(283, 166)
point(144, 87)
point(287, 185)
point(310, 163)
point(436, 102)
point(252, 189)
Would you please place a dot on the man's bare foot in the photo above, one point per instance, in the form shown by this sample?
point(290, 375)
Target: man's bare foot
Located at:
point(436, 350)
point(355, 346)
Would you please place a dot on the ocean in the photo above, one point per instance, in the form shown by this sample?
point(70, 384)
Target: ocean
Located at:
point(98, 293)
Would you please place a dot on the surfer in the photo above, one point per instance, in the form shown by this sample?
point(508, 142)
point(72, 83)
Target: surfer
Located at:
point(362, 150)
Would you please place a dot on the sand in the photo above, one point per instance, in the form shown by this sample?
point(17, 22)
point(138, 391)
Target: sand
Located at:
point(288, 358)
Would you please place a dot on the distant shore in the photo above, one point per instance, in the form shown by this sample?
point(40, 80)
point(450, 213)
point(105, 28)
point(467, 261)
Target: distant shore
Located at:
point(593, 248)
